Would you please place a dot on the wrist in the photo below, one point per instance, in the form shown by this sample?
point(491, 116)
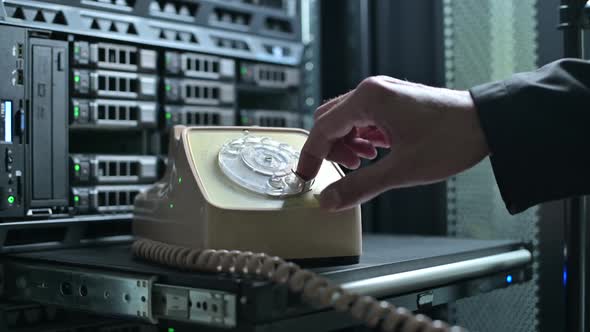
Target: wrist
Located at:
point(473, 125)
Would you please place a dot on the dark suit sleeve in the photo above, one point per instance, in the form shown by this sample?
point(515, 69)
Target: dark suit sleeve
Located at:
point(537, 127)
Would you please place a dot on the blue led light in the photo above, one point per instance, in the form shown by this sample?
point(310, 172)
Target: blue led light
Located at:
point(509, 278)
point(564, 276)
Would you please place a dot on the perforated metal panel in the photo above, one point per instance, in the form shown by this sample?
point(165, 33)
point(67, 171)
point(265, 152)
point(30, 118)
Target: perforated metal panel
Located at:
point(488, 40)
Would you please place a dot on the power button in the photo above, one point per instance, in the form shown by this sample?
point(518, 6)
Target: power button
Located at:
point(7, 199)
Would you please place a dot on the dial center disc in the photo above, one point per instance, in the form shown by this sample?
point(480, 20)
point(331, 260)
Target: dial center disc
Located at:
point(262, 165)
point(267, 159)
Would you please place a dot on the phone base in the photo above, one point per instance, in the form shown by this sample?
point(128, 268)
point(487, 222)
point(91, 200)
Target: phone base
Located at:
point(196, 206)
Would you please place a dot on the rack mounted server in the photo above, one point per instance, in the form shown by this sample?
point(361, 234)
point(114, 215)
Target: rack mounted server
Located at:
point(96, 85)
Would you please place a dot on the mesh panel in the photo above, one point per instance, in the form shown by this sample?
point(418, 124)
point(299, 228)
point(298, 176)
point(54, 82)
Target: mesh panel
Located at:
point(489, 40)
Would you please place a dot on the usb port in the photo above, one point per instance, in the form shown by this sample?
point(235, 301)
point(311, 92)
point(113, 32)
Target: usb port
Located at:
point(19, 77)
point(19, 50)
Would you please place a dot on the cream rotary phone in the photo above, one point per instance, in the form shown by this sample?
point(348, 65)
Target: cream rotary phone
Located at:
point(231, 202)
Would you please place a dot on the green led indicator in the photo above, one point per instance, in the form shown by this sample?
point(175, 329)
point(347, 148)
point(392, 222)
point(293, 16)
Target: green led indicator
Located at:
point(10, 199)
point(168, 116)
point(244, 70)
point(77, 49)
point(171, 205)
point(77, 168)
point(245, 120)
point(76, 198)
point(180, 180)
point(77, 78)
point(76, 111)
point(168, 87)
point(170, 329)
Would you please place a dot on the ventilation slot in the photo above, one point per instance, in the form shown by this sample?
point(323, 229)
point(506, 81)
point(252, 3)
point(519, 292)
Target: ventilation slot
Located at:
point(131, 30)
point(201, 65)
point(272, 121)
point(123, 169)
point(177, 36)
point(118, 3)
point(60, 18)
point(227, 16)
point(102, 198)
point(123, 113)
point(278, 25)
point(202, 118)
point(19, 14)
point(119, 198)
point(117, 113)
point(231, 44)
point(117, 56)
point(174, 10)
point(278, 51)
point(118, 168)
point(112, 112)
point(36, 15)
point(108, 83)
point(190, 118)
point(111, 26)
point(39, 17)
point(275, 76)
point(102, 168)
point(102, 114)
point(275, 4)
point(95, 25)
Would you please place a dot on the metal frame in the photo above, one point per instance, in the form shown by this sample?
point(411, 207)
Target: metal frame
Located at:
point(232, 305)
point(162, 33)
point(439, 275)
point(577, 231)
point(72, 233)
point(203, 12)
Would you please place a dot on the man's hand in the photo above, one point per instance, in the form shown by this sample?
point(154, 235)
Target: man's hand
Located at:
point(433, 134)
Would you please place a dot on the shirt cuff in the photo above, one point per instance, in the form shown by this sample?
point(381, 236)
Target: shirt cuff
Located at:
point(491, 103)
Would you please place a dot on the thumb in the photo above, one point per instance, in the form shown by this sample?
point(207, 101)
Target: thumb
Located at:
point(356, 187)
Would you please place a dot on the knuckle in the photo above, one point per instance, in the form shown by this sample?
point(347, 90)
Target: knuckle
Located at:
point(371, 83)
point(376, 91)
point(316, 139)
point(321, 110)
point(318, 112)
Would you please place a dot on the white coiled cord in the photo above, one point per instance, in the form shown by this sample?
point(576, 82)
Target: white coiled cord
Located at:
point(315, 289)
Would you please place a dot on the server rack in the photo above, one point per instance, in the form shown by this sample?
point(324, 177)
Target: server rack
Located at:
point(102, 81)
point(95, 86)
point(92, 90)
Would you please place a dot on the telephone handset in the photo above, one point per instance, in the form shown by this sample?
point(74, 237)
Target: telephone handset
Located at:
point(233, 187)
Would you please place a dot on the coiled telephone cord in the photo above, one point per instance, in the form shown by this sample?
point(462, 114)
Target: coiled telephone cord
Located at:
point(315, 290)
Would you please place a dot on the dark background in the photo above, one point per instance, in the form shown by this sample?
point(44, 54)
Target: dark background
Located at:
point(404, 39)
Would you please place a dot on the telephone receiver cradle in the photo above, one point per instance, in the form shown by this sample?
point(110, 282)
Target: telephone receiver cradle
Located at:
point(196, 205)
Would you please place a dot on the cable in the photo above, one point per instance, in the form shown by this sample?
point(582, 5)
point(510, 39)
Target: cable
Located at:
point(315, 289)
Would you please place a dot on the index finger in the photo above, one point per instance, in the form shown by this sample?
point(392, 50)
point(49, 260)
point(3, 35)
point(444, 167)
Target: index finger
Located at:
point(328, 128)
point(329, 104)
